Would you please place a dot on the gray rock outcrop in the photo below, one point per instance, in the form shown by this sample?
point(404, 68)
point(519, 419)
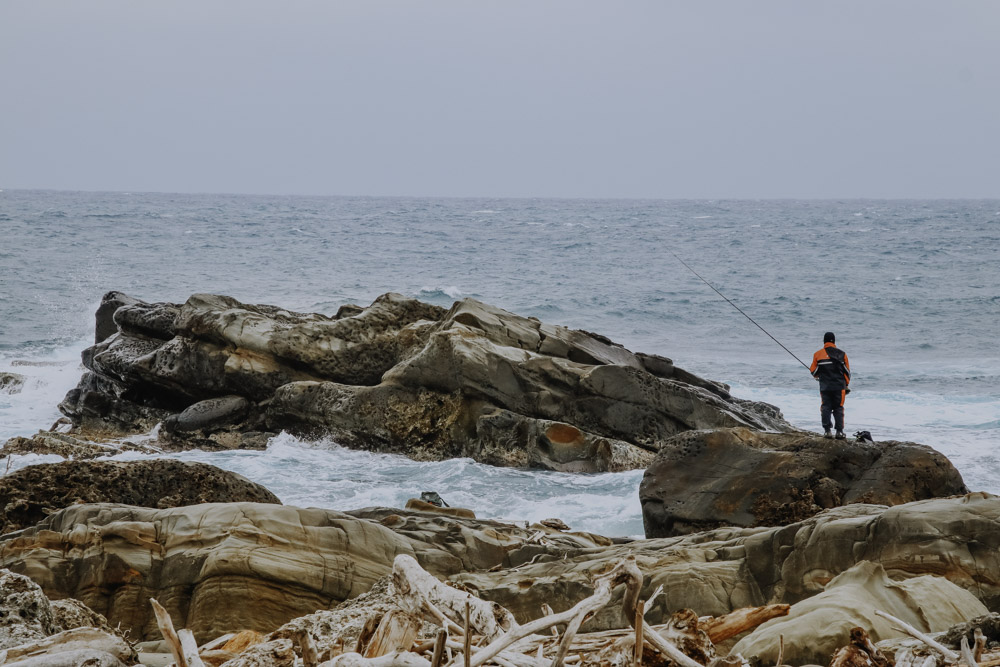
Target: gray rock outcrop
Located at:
point(738, 477)
point(398, 376)
point(28, 495)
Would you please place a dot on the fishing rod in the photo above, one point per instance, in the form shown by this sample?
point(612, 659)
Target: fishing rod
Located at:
point(737, 308)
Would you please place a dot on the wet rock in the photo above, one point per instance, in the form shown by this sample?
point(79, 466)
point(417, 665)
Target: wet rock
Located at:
point(212, 413)
point(11, 383)
point(68, 447)
point(738, 477)
point(398, 376)
point(424, 506)
point(28, 495)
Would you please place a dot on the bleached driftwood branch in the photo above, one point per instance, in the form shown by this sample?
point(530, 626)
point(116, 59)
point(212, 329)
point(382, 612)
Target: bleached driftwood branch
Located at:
point(946, 652)
point(420, 593)
point(180, 646)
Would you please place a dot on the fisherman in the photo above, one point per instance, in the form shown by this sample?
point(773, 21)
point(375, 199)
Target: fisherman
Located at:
point(831, 368)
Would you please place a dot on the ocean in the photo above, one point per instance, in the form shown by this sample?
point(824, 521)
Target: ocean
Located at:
point(911, 288)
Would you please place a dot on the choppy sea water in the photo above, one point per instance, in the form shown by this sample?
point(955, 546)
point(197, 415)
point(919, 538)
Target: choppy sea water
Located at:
point(911, 288)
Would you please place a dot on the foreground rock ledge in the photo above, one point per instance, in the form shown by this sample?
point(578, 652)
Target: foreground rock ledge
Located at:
point(737, 477)
point(206, 562)
point(398, 376)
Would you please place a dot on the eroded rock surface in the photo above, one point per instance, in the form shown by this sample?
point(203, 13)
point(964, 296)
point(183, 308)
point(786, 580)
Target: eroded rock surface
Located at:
point(738, 477)
point(28, 495)
point(204, 562)
point(816, 627)
point(398, 376)
point(717, 571)
point(11, 383)
point(25, 612)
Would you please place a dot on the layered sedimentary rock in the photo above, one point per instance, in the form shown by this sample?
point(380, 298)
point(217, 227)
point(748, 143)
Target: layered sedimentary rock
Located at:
point(717, 571)
point(398, 376)
point(816, 627)
point(30, 494)
point(205, 562)
point(738, 477)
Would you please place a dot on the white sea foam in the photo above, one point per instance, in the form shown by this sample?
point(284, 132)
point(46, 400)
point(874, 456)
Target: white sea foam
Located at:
point(49, 374)
point(324, 474)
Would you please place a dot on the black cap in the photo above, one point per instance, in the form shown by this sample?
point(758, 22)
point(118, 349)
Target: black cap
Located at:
point(828, 337)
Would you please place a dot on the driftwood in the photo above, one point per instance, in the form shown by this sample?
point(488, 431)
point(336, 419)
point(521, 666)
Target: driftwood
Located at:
point(947, 653)
point(310, 657)
point(180, 647)
point(395, 632)
point(421, 594)
point(77, 639)
point(860, 652)
point(722, 628)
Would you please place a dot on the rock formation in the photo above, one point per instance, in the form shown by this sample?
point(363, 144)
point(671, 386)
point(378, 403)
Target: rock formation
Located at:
point(737, 477)
point(817, 626)
point(28, 495)
point(11, 383)
point(205, 561)
point(398, 376)
point(35, 632)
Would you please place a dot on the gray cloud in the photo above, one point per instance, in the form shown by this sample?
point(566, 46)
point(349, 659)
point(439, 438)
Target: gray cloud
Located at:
point(517, 98)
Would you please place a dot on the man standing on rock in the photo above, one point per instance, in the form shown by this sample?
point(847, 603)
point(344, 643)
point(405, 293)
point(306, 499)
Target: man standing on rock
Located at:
point(831, 368)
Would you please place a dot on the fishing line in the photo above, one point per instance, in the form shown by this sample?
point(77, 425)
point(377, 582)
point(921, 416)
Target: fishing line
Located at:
point(737, 308)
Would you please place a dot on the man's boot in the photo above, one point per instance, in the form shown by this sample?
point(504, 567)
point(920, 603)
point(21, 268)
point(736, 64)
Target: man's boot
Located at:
point(827, 433)
point(840, 435)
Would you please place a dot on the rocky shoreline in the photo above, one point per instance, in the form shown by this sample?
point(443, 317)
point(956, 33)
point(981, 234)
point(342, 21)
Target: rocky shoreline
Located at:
point(793, 541)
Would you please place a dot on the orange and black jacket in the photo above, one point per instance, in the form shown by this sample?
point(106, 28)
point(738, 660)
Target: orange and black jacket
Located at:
point(830, 365)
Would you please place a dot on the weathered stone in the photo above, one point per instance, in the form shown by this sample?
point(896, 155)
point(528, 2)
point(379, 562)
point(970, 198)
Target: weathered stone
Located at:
point(398, 376)
point(11, 383)
point(69, 614)
point(705, 479)
point(816, 627)
point(204, 563)
point(717, 571)
point(275, 653)
point(68, 447)
point(105, 326)
point(25, 612)
point(29, 494)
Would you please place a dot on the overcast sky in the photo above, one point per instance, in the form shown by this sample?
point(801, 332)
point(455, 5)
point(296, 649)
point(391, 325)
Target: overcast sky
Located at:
point(516, 98)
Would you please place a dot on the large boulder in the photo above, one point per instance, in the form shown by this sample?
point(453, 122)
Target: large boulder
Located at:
point(28, 495)
point(739, 477)
point(816, 627)
point(398, 376)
